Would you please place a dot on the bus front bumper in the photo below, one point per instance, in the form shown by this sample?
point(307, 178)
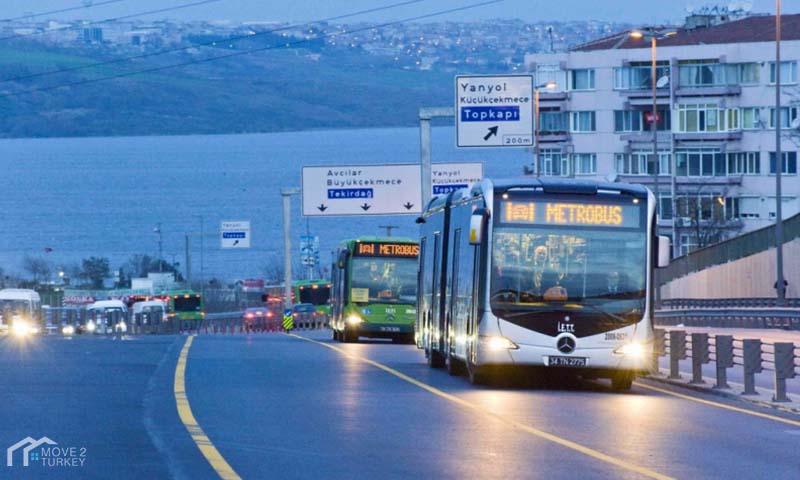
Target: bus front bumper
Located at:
point(601, 358)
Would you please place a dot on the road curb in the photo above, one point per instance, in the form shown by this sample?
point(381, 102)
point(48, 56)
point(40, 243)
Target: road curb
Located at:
point(792, 407)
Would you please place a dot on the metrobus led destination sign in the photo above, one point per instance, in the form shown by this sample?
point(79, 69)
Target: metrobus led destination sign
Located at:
point(374, 249)
point(570, 214)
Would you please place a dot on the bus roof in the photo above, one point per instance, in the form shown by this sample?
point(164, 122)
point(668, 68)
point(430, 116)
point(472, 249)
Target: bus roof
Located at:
point(561, 185)
point(18, 294)
point(349, 243)
point(108, 304)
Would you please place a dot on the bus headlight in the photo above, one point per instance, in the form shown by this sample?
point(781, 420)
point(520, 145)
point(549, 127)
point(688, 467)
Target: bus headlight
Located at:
point(90, 326)
point(497, 342)
point(21, 328)
point(632, 349)
point(68, 330)
point(354, 320)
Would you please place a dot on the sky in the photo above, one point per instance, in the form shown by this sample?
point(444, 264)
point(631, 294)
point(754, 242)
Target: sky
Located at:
point(644, 11)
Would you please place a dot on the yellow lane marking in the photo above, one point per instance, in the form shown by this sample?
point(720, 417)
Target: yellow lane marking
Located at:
point(218, 463)
point(518, 425)
point(720, 405)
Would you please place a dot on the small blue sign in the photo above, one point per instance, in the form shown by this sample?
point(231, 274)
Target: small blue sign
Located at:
point(490, 114)
point(287, 312)
point(335, 193)
point(445, 189)
point(233, 235)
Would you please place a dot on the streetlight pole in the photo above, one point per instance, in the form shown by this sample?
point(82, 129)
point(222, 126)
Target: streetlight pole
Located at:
point(287, 193)
point(779, 283)
point(160, 249)
point(654, 129)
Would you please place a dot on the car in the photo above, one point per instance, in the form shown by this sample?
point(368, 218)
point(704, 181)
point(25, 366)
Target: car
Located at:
point(257, 317)
point(304, 315)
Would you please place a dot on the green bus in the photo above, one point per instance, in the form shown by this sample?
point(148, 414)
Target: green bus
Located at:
point(315, 292)
point(184, 304)
point(374, 290)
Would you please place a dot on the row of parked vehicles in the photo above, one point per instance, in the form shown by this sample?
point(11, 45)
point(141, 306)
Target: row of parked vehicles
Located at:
point(22, 314)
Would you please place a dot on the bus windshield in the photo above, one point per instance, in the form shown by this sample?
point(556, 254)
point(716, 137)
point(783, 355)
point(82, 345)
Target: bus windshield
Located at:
point(190, 304)
point(384, 280)
point(588, 271)
point(15, 307)
point(315, 296)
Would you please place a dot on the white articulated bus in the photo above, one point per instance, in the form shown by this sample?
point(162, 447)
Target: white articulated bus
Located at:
point(20, 311)
point(549, 273)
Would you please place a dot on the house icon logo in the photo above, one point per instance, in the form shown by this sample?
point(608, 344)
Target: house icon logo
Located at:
point(27, 445)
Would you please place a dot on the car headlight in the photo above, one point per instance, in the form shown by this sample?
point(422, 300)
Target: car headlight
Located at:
point(633, 349)
point(354, 320)
point(497, 342)
point(90, 326)
point(122, 327)
point(68, 330)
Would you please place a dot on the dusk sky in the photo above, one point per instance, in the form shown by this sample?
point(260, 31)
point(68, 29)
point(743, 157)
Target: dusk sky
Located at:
point(644, 11)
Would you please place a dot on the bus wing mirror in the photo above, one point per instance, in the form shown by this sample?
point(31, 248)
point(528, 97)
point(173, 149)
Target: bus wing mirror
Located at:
point(663, 251)
point(476, 227)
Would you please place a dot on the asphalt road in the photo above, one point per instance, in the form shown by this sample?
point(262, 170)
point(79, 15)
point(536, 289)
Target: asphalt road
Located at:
point(275, 406)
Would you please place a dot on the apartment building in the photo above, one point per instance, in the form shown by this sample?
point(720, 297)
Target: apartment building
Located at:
point(715, 121)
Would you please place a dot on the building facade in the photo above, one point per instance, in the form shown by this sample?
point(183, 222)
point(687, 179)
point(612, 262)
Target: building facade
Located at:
point(715, 138)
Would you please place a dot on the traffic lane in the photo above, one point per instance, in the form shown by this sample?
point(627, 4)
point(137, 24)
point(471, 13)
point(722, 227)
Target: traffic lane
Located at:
point(281, 407)
point(85, 392)
point(664, 433)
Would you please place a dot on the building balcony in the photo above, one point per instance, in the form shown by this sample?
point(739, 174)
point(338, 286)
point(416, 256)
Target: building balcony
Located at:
point(548, 96)
point(708, 136)
point(690, 183)
point(709, 91)
point(664, 138)
point(553, 137)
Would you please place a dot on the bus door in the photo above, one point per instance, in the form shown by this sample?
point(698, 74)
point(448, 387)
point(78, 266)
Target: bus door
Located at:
point(452, 287)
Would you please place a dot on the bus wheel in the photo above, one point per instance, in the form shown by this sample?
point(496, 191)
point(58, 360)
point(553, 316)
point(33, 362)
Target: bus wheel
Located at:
point(335, 335)
point(622, 381)
point(477, 376)
point(454, 366)
point(435, 358)
point(348, 336)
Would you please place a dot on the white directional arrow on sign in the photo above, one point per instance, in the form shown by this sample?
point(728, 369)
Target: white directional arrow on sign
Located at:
point(361, 190)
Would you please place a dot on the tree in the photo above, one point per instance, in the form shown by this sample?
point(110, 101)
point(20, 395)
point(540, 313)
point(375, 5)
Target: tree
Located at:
point(95, 270)
point(702, 214)
point(140, 265)
point(39, 268)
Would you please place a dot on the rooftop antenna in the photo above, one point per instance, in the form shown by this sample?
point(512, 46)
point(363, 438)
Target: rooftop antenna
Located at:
point(550, 33)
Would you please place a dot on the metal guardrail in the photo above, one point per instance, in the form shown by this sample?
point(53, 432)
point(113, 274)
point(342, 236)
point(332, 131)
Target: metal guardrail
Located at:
point(726, 351)
point(235, 322)
point(705, 303)
point(788, 319)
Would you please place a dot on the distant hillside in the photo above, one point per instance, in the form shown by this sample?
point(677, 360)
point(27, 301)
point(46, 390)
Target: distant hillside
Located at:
point(263, 92)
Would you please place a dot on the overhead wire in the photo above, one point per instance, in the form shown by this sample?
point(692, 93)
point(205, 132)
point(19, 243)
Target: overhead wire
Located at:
point(210, 43)
point(108, 20)
point(61, 10)
point(254, 50)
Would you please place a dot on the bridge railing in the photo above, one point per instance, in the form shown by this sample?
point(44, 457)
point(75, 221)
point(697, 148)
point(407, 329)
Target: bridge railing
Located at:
point(726, 351)
point(709, 303)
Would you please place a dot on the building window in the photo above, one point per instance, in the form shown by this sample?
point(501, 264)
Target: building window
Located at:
point(581, 79)
point(552, 162)
point(701, 162)
point(636, 121)
point(706, 73)
point(637, 76)
point(582, 122)
point(789, 163)
point(641, 163)
point(744, 163)
point(706, 117)
point(788, 115)
point(553, 122)
point(688, 244)
point(749, 73)
point(584, 163)
point(665, 205)
point(731, 208)
point(551, 73)
point(788, 72)
point(627, 121)
point(750, 118)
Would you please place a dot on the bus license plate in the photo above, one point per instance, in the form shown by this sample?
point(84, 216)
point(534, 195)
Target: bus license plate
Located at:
point(390, 329)
point(566, 361)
